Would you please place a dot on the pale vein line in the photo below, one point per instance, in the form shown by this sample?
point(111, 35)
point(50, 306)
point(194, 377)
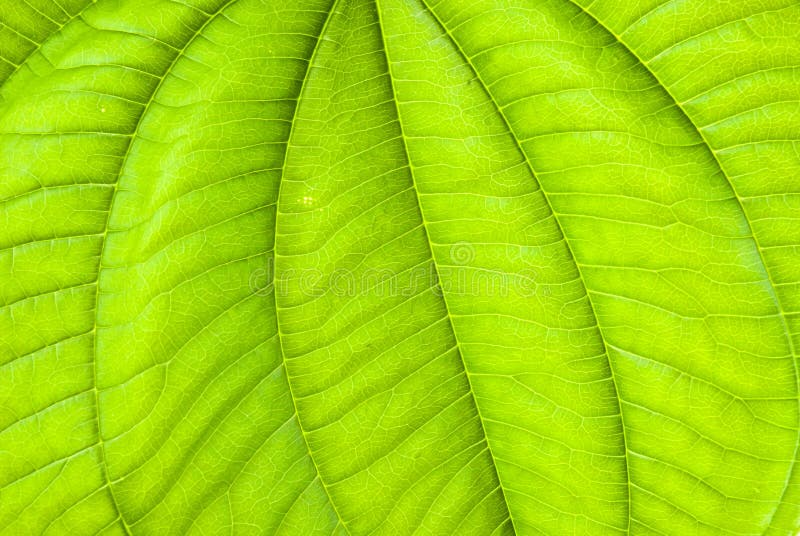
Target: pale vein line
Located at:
point(39, 45)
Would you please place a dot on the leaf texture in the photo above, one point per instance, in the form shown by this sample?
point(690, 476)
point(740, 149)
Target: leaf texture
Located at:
point(399, 266)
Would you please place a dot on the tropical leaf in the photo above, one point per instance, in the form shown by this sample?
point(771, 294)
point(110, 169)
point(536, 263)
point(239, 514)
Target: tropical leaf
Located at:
point(399, 266)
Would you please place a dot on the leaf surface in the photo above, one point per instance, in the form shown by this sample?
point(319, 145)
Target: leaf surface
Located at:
point(399, 266)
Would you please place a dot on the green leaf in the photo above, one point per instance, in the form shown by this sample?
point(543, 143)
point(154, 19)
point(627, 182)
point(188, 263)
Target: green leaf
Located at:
point(399, 266)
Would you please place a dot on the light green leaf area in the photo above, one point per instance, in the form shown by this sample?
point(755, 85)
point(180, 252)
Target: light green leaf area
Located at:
point(469, 267)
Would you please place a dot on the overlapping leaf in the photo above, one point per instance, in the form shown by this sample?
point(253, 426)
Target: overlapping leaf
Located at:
point(399, 266)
